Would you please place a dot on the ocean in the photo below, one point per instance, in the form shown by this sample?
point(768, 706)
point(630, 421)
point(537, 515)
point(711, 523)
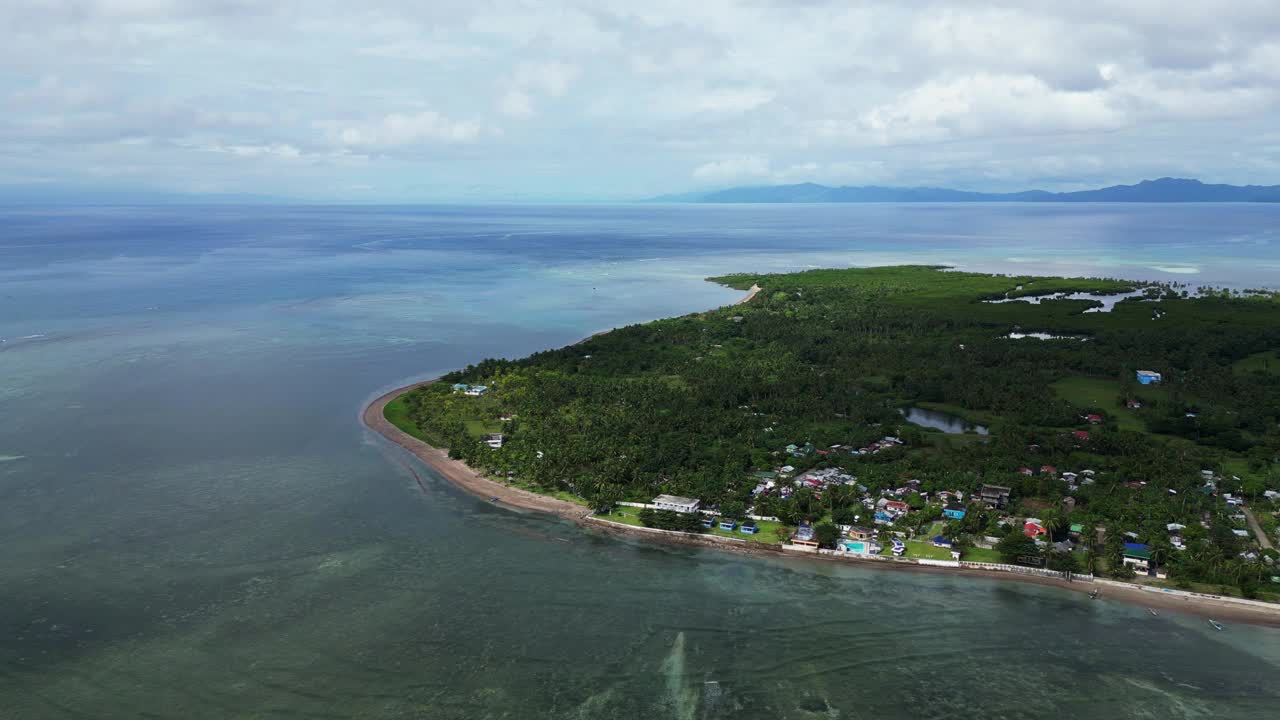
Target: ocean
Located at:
point(196, 525)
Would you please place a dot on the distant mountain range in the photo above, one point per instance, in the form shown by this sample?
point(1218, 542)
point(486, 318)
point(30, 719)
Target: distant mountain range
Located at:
point(1164, 190)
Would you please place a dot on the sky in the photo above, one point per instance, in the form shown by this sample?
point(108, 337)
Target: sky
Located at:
point(557, 100)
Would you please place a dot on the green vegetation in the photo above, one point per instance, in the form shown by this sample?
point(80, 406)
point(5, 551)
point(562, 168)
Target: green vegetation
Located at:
point(1263, 362)
point(693, 405)
point(398, 413)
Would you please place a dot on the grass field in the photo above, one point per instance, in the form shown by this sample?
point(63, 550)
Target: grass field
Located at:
point(1096, 393)
point(981, 555)
point(921, 549)
point(1268, 362)
point(477, 428)
point(397, 413)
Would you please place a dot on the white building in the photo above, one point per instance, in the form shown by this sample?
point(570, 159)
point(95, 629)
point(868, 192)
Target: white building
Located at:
point(676, 503)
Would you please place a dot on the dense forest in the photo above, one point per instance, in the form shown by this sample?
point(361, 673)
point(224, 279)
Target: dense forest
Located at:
point(827, 360)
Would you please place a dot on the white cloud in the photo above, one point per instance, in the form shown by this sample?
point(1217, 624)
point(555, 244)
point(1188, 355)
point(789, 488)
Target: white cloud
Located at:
point(735, 100)
point(732, 169)
point(516, 103)
point(400, 129)
point(551, 78)
point(617, 97)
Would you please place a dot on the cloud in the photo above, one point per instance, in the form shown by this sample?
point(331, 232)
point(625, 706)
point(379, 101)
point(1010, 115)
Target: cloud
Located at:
point(529, 80)
point(614, 99)
point(401, 129)
point(981, 105)
point(732, 169)
point(735, 100)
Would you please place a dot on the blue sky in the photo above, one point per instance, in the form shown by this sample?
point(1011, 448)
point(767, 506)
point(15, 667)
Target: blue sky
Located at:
point(384, 100)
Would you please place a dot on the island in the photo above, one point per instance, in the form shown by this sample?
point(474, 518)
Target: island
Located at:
point(1111, 436)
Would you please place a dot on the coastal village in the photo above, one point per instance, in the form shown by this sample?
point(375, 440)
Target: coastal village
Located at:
point(984, 528)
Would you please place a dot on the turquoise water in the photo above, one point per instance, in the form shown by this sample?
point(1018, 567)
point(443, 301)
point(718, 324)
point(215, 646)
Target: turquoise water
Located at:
point(195, 525)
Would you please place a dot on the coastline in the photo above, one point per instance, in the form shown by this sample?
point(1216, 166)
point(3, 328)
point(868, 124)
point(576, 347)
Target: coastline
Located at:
point(466, 478)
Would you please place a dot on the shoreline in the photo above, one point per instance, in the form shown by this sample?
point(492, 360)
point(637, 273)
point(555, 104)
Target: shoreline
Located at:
point(469, 480)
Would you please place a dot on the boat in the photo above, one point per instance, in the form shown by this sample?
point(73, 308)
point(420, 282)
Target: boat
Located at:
point(1153, 612)
point(1094, 595)
point(1216, 625)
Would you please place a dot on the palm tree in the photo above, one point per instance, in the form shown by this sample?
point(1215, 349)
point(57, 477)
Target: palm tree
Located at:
point(1051, 521)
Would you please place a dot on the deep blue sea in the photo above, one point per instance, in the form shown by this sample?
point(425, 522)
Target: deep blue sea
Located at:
point(195, 525)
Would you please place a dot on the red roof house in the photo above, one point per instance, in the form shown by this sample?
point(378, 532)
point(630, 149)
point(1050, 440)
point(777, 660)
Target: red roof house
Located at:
point(1049, 469)
point(1080, 434)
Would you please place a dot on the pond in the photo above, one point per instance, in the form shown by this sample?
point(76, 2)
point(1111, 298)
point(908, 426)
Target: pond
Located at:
point(1043, 336)
point(1109, 301)
point(945, 422)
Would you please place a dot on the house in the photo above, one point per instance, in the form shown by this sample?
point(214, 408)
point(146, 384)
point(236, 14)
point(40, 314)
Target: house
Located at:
point(954, 511)
point(476, 390)
point(1026, 471)
point(896, 507)
point(493, 440)
point(1093, 418)
point(1133, 404)
point(1031, 527)
point(899, 548)
point(1240, 533)
point(1138, 556)
point(1048, 469)
point(1075, 530)
point(676, 503)
point(804, 536)
point(994, 495)
point(729, 525)
point(708, 522)
point(1069, 477)
point(939, 541)
point(857, 532)
point(1080, 435)
point(749, 528)
point(1149, 377)
point(461, 387)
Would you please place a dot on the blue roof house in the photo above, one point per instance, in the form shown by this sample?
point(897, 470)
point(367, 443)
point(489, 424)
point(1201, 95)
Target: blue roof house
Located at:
point(461, 387)
point(955, 511)
point(728, 524)
point(749, 528)
point(1149, 377)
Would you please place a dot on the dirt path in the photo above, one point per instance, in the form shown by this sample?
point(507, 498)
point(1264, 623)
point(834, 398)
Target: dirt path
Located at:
point(1257, 530)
